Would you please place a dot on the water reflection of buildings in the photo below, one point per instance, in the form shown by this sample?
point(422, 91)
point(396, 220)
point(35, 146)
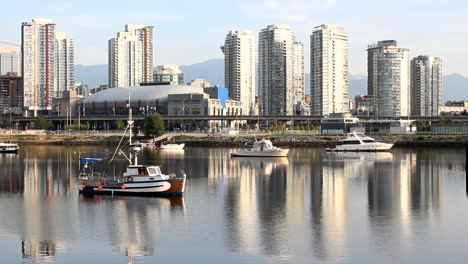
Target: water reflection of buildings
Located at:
point(331, 174)
point(11, 171)
point(40, 188)
point(48, 171)
point(132, 224)
point(403, 196)
point(41, 251)
point(255, 198)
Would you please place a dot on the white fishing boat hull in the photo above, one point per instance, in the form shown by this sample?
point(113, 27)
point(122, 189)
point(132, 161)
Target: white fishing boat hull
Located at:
point(170, 187)
point(264, 153)
point(173, 146)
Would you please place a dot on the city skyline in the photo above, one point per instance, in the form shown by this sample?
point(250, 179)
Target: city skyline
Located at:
point(85, 23)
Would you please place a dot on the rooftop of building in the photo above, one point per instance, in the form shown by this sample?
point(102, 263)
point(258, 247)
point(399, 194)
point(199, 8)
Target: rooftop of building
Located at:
point(143, 93)
point(8, 50)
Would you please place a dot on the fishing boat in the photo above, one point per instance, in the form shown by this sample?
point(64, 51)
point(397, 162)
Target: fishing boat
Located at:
point(138, 180)
point(356, 141)
point(8, 147)
point(262, 148)
point(172, 146)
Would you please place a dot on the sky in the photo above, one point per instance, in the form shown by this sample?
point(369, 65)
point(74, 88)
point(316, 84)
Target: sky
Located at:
point(188, 32)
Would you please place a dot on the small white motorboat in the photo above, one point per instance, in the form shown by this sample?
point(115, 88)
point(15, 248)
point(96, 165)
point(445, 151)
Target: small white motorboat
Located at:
point(262, 148)
point(357, 141)
point(8, 147)
point(173, 146)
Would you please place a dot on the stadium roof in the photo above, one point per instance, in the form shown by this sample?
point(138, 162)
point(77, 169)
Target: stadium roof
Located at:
point(143, 93)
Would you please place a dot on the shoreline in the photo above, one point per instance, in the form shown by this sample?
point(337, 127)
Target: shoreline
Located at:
point(286, 140)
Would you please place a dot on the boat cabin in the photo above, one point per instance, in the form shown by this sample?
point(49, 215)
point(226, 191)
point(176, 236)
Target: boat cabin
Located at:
point(263, 145)
point(141, 170)
point(356, 138)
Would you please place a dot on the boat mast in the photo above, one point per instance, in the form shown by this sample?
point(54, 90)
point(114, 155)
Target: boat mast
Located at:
point(130, 121)
point(133, 152)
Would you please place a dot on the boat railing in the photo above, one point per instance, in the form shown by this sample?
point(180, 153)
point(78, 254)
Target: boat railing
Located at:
point(100, 176)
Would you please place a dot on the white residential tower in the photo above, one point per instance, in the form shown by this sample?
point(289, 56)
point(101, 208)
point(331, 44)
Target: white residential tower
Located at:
point(38, 60)
point(64, 78)
point(276, 70)
point(131, 56)
point(239, 68)
point(329, 70)
point(388, 70)
point(426, 86)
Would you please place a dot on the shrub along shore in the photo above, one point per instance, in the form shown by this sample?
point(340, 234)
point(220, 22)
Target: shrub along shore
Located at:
point(209, 140)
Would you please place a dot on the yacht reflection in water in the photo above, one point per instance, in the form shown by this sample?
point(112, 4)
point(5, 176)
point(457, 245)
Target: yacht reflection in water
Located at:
point(132, 224)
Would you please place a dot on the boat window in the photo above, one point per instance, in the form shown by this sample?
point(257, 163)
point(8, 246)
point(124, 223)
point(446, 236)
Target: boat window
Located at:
point(351, 142)
point(368, 140)
point(142, 171)
point(152, 171)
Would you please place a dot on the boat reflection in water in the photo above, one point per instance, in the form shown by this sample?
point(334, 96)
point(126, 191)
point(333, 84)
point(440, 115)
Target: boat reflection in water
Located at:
point(133, 223)
point(264, 166)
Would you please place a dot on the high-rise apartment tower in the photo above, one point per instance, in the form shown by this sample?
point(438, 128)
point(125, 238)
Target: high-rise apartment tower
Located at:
point(239, 68)
point(276, 70)
point(388, 70)
point(329, 70)
point(37, 64)
point(9, 61)
point(131, 56)
point(64, 78)
point(426, 86)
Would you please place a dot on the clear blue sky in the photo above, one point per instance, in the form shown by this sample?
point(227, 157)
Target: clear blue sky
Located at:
point(189, 31)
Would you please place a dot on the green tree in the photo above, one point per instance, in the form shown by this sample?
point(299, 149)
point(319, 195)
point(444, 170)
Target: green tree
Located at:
point(43, 123)
point(153, 125)
point(445, 120)
point(421, 126)
point(120, 125)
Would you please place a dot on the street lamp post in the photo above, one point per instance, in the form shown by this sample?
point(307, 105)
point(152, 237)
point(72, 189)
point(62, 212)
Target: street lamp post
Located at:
point(9, 110)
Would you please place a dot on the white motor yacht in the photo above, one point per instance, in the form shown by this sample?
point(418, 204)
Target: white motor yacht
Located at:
point(262, 148)
point(173, 146)
point(8, 147)
point(357, 141)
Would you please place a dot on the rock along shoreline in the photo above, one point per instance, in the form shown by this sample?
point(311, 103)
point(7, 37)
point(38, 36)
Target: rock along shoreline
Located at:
point(241, 141)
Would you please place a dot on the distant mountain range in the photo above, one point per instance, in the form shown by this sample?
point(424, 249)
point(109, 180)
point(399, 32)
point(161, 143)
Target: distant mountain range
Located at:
point(455, 85)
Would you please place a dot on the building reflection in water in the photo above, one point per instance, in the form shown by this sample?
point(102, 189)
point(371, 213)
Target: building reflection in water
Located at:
point(255, 197)
point(40, 189)
point(331, 174)
point(11, 168)
point(403, 196)
point(270, 206)
point(132, 224)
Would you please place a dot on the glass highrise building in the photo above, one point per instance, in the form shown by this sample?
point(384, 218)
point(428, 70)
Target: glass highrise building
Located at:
point(329, 70)
point(388, 70)
point(64, 79)
point(9, 60)
point(38, 64)
point(131, 56)
point(239, 68)
point(426, 86)
point(276, 60)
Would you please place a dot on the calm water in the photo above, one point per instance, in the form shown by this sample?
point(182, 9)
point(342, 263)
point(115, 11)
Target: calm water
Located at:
point(407, 206)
